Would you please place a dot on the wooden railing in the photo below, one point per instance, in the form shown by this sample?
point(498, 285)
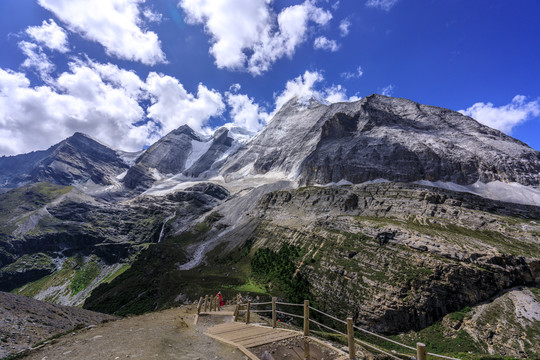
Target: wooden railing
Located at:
point(247, 308)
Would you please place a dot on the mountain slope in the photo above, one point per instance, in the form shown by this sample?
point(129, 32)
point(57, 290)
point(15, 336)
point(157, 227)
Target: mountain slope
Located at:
point(380, 137)
point(76, 160)
point(58, 243)
point(182, 151)
point(397, 256)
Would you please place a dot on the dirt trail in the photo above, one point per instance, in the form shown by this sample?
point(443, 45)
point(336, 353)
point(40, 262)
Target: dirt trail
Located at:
point(168, 334)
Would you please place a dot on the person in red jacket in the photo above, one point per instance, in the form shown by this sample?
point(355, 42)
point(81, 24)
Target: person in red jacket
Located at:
point(221, 301)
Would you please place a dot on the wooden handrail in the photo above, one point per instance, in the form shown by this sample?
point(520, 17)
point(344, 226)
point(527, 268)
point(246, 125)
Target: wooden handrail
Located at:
point(420, 349)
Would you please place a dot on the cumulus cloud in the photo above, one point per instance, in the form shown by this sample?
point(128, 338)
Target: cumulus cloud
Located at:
point(248, 35)
point(36, 59)
point(41, 116)
point(50, 35)
point(126, 80)
point(506, 117)
point(115, 24)
point(245, 113)
point(104, 101)
point(306, 86)
point(173, 106)
point(382, 4)
point(353, 74)
point(344, 27)
point(325, 44)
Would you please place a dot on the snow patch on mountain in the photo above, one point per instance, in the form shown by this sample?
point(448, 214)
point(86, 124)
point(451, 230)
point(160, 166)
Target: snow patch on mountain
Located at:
point(129, 157)
point(198, 149)
point(495, 190)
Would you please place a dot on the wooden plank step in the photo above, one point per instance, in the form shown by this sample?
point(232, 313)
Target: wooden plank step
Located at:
point(245, 334)
point(270, 338)
point(224, 328)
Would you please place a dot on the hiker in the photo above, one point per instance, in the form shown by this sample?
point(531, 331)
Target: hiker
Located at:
point(221, 301)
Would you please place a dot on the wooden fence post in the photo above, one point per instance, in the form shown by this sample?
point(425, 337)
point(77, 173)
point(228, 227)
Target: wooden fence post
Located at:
point(274, 312)
point(213, 303)
point(247, 313)
point(205, 302)
point(218, 303)
point(350, 336)
point(238, 296)
point(306, 317)
point(421, 351)
point(199, 306)
point(236, 311)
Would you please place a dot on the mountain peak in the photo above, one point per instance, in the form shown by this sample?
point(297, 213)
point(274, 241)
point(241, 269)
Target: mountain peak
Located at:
point(82, 138)
point(186, 130)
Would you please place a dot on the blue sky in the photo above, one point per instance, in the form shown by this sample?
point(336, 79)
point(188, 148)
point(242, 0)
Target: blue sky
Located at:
point(129, 71)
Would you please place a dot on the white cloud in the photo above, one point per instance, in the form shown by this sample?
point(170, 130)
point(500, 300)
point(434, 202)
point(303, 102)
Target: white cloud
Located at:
point(36, 59)
point(344, 27)
point(382, 4)
point(234, 88)
point(247, 34)
point(102, 100)
point(506, 117)
point(245, 113)
point(80, 100)
point(127, 80)
point(325, 44)
point(115, 24)
point(50, 35)
point(353, 74)
point(304, 87)
point(173, 106)
point(152, 16)
point(388, 90)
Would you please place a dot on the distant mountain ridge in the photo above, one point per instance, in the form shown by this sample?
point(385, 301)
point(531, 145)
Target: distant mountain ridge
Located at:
point(377, 137)
point(75, 160)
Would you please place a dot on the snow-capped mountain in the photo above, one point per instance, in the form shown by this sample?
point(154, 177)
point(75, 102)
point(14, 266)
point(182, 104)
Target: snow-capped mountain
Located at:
point(377, 138)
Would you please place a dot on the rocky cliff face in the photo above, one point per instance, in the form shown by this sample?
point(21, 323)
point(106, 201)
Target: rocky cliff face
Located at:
point(61, 232)
point(402, 256)
point(394, 256)
point(389, 138)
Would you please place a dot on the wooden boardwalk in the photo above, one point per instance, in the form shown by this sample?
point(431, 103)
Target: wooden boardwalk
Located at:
point(248, 335)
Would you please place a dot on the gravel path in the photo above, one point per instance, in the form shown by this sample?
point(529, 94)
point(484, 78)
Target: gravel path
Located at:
point(168, 334)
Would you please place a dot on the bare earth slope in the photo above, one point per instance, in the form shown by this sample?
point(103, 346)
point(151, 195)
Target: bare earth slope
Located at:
point(24, 321)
